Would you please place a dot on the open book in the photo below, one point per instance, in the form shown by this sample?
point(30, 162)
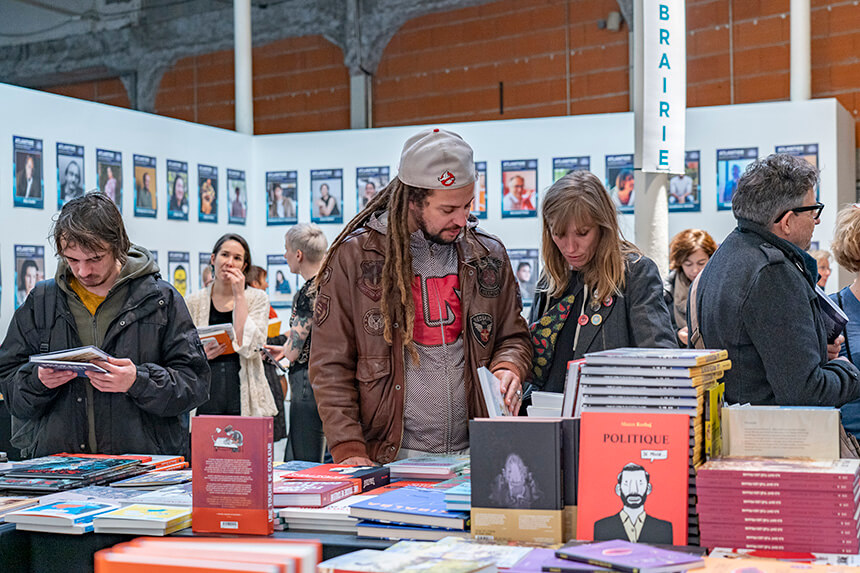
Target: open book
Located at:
point(218, 334)
point(78, 360)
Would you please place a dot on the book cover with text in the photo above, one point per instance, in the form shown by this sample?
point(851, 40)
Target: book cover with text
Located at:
point(633, 472)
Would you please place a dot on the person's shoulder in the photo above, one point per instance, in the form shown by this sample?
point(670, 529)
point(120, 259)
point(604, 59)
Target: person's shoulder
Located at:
point(638, 264)
point(254, 294)
point(490, 241)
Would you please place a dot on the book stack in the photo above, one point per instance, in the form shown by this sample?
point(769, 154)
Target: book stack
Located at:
point(224, 554)
point(546, 404)
point(155, 479)
point(429, 467)
point(661, 380)
point(409, 513)
point(780, 504)
point(363, 478)
point(59, 517)
point(333, 518)
point(9, 504)
point(140, 519)
point(57, 473)
point(299, 493)
point(459, 497)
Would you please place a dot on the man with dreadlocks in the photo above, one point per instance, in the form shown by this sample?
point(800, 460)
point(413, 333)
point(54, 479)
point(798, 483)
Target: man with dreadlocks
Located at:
point(412, 299)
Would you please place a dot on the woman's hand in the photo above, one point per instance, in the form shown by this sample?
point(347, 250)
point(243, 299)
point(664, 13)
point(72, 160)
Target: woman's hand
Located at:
point(236, 279)
point(276, 351)
point(214, 350)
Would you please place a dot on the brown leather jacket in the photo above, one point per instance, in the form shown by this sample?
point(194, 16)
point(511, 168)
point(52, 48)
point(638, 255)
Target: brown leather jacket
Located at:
point(358, 379)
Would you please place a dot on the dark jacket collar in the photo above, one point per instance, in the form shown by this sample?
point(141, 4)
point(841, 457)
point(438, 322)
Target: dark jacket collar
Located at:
point(793, 253)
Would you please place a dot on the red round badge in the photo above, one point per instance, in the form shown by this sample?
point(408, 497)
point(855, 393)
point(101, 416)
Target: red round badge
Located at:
point(607, 301)
point(583, 320)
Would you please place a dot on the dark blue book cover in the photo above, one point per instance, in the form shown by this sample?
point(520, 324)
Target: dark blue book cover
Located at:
point(71, 468)
point(411, 505)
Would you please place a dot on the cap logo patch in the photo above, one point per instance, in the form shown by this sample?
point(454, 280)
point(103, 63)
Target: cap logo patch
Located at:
point(447, 178)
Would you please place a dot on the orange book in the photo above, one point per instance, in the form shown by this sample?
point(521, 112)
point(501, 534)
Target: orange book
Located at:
point(308, 552)
point(274, 327)
point(109, 561)
point(633, 470)
point(285, 563)
point(217, 334)
point(232, 475)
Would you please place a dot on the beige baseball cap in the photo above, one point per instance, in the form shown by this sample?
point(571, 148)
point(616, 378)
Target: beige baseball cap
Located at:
point(437, 159)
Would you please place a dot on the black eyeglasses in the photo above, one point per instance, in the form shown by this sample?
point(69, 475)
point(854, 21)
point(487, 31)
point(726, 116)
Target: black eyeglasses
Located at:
point(818, 207)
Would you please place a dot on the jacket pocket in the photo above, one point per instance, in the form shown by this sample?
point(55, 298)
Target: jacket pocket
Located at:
point(375, 401)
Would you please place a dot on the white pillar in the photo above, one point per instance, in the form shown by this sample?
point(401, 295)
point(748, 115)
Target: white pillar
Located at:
point(360, 101)
point(801, 59)
point(243, 67)
point(651, 208)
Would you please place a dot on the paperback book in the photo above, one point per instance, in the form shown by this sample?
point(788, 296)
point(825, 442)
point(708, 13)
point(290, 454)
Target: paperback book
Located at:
point(429, 467)
point(620, 555)
point(294, 492)
point(78, 360)
point(363, 478)
point(681, 357)
point(411, 506)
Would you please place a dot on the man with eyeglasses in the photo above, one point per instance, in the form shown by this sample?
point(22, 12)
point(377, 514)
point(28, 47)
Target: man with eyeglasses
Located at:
point(756, 296)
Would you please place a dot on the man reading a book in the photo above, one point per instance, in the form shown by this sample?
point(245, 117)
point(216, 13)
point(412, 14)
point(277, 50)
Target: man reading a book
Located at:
point(107, 293)
point(632, 522)
point(756, 296)
point(412, 299)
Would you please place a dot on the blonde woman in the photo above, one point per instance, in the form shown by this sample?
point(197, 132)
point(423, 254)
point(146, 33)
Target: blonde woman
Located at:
point(597, 291)
point(846, 251)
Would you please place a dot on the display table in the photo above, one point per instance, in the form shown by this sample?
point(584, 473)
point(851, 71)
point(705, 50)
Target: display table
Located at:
point(30, 551)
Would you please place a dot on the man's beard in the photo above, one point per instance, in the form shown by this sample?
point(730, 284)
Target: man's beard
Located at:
point(433, 238)
point(640, 501)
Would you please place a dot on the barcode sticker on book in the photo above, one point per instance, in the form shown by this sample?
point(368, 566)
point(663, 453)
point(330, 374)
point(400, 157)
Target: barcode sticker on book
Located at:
point(229, 525)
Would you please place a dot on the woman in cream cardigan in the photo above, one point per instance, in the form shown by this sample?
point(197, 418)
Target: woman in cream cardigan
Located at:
point(239, 385)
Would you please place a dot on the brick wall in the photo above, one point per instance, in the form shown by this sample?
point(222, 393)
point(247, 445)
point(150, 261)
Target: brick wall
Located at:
point(300, 84)
point(110, 91)
point(549, 56)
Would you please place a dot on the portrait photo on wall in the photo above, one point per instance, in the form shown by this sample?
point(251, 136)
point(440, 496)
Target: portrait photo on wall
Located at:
point(237, 194)
point(109, 175)
point(29, 269)
point(281, 281)
point(808, 152)
point(179, 271)
point(619, 181)
point(27, 167)
point(479, 203)
point(207, 192)
point(524, 262)
point(281, 197)
point(519, 188)
point(730, 166)
point(633, 465)
point(205, 267)
point(685, 190)
point(368, 182)
point(177, 190)
point(145, 187)
point(70, 173)
point(561, 166)
point(326, 196)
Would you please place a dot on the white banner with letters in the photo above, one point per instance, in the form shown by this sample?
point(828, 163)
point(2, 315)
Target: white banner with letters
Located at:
point(665, 86)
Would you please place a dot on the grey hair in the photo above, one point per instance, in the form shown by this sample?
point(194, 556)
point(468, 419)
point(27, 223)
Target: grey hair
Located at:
point(309, 239)
point(772, 186)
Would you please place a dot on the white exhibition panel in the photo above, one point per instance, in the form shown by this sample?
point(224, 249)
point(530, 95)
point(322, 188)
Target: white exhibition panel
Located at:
point(55, 119)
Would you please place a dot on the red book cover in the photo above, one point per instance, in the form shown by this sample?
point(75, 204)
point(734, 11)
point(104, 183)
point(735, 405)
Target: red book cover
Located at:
point(777, 543)
point(813, 506)
point(794, 533)
point(363, 478)
point(231, 458)
point(818, 495)
point(633, 469)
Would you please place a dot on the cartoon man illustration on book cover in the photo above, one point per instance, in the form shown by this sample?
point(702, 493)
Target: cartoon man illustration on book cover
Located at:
point(632, 522)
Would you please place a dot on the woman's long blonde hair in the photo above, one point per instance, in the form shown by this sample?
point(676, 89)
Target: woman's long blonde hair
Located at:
point(581, 197)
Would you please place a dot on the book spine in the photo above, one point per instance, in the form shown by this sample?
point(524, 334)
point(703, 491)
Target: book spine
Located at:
point(775, 507)
point(755, 491)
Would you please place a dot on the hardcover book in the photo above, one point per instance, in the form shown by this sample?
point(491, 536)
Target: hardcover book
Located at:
point(515, 483)
point(232, 461)
point(69, 467)
point(633, 468)
point(60, 513)
point(628, 557)
point(141, 518)
point(429, 467)
point(411, 506)
point(363, 478)
point(781, 432)
point(293, 492)
point(395, 531)
point(669, 357)
point(689, 373)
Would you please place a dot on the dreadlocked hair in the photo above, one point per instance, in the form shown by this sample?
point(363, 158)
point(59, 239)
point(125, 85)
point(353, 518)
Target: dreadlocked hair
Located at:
point(398, 307)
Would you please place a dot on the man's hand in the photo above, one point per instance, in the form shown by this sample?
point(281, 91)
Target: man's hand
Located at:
point(683, 335)
point(214, 350)
point(121, 374)
point(833, 349)
point(358, 461)
point(55, 378)
point(511, 389)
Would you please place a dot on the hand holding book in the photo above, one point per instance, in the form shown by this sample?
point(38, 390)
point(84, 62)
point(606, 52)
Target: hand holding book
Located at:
point(119, 375)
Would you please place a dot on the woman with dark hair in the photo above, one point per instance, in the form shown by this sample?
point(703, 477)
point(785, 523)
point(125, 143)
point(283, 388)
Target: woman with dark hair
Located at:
point(689, 252)
point(28, 276)
point(239, 385)
point(596, 291)
point(178, 196)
